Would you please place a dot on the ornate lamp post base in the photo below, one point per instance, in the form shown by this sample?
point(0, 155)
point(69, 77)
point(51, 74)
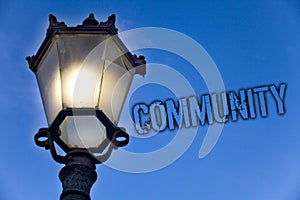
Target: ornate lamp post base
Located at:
point(77, 177)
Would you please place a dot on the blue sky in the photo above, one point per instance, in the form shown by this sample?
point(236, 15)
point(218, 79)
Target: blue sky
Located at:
point(253, 43)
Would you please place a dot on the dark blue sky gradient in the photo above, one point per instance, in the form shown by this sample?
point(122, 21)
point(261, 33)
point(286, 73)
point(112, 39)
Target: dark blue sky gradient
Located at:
point(253, 43)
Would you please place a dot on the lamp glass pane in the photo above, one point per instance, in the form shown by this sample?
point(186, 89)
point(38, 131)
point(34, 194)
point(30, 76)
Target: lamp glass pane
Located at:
point(115, 84)
point(84, 71)
point(81, 73)
point(82, 132)
point(48, 77)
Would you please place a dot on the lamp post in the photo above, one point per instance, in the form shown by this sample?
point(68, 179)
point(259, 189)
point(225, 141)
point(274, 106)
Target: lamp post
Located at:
point(84, 74)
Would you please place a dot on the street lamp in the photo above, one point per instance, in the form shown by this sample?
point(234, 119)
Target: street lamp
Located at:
point(84, 74)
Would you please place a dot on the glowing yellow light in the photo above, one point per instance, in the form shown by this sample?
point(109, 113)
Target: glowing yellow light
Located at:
point(82, 86)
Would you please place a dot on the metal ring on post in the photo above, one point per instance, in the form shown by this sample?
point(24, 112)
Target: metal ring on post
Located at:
point(48, 144)
point(120, 134)
point(43, 133)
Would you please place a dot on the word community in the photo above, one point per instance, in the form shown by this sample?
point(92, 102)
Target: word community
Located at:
point(207, 109)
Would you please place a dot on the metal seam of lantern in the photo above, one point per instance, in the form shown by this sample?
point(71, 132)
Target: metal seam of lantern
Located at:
point(76, 90)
